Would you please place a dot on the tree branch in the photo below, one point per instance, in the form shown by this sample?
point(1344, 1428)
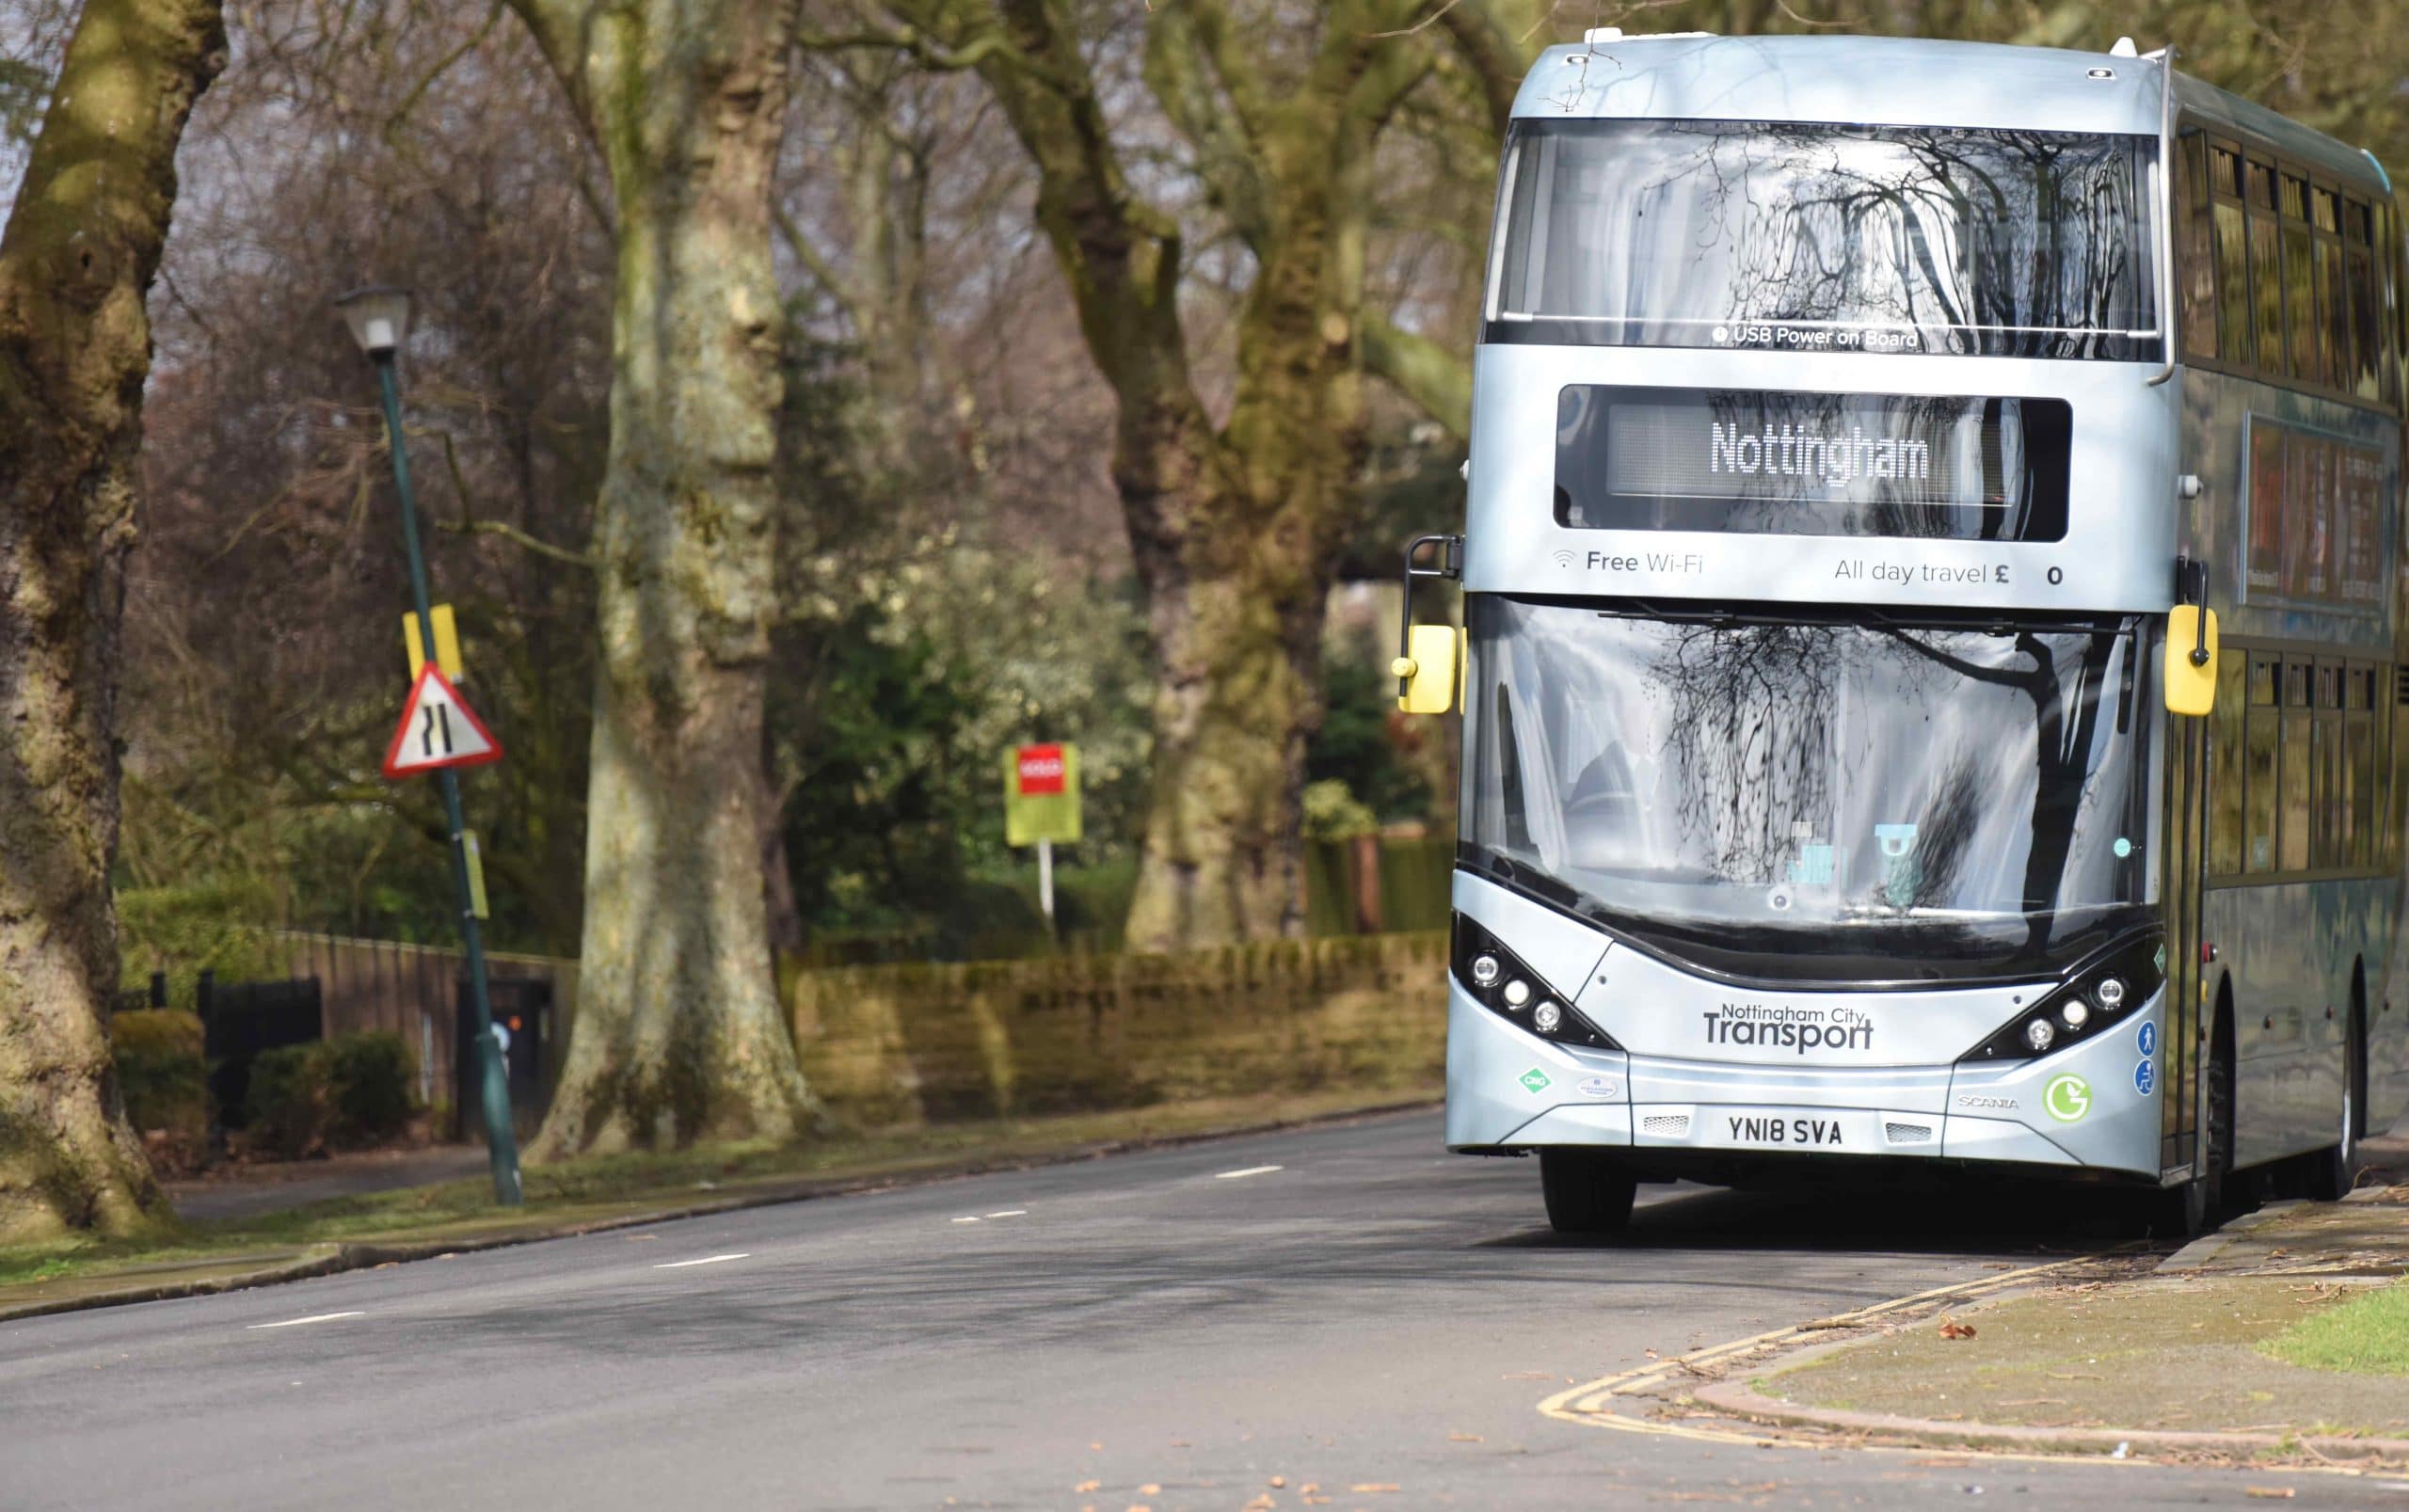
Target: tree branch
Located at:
point(1429, 375)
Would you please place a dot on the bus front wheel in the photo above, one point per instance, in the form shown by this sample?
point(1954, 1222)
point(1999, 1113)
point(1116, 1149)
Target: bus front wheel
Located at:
point(2334, 1171)
point(1586, 1192)
point(2181, 1212)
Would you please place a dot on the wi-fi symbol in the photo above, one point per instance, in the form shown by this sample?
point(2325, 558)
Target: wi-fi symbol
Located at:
point(1564, 559)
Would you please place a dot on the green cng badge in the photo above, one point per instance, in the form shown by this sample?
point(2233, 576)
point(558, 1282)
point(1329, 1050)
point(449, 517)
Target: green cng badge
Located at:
point(1534, 1081)
point(2068, 1098)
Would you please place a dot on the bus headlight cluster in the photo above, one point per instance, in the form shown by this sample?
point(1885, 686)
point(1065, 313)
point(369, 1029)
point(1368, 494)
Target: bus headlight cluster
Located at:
point(1512, 991)
point(2089, 1001)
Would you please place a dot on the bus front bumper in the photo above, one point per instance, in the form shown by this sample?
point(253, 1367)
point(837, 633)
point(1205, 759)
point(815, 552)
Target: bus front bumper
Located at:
point(2089, 1107)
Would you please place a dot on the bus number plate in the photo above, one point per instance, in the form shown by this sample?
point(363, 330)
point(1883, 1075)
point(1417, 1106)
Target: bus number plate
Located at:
point(1802, 1131)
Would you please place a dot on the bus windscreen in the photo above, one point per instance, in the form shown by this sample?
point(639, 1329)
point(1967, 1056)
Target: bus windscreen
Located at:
point(1842, 800)
point(1822, 238)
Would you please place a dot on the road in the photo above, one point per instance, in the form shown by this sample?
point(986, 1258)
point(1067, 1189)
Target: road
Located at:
point(1345, 1306)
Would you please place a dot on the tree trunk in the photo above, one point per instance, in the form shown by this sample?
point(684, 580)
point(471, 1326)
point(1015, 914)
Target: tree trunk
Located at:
point(679, 1035)
point(76, 262)
point(1235, 532)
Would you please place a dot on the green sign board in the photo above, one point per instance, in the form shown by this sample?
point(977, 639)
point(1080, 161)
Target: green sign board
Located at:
point(1042, 794)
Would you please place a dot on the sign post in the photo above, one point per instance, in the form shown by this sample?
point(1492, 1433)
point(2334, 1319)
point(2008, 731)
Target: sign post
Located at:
point(438, 732)
point(1041, 806)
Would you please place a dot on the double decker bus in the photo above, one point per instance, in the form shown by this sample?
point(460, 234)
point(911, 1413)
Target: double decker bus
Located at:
point(1931, 660)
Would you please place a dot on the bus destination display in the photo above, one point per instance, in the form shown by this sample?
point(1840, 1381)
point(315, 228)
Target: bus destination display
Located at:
point(1812, 464)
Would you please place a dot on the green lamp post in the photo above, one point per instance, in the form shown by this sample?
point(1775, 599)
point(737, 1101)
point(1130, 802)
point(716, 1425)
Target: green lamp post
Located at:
point(379, 318)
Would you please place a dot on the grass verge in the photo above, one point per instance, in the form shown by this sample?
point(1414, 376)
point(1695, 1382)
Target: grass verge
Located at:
point(2367, 1335)
point(2156, 1355)
point(618, 1189)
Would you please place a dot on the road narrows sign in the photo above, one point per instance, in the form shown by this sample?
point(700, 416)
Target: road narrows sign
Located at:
point(439, 729)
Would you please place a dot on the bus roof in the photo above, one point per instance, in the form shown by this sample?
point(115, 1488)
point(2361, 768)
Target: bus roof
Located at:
point(1894, 80)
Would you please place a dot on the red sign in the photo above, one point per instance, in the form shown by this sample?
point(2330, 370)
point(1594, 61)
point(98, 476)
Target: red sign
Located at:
point(439, 729)
point(1041, 769)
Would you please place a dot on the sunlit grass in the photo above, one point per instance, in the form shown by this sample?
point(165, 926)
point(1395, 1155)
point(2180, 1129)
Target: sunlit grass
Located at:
point(2367, 1335)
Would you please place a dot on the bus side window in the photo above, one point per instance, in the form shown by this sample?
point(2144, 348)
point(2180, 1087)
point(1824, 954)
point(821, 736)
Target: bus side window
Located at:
point(2332, 299)
point(2266, 271)
point(2258, 792)
point(2326, 851)
point(2232, 255)
point(2293, 845)
point(2225, 764)
point(2394, 713)
point(2199, 276)
point(2358, 768)
point(2387, 272)
point(2308, 364)
point(2367, 321)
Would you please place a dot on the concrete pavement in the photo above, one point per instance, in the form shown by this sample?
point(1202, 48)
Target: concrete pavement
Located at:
point(1345, 1306)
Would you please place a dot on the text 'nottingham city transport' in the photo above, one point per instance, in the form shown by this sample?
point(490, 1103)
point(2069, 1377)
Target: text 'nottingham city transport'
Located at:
point(1931, 666)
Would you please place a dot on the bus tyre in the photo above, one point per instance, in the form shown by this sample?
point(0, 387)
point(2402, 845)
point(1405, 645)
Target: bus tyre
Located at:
point(2335, 1169)
point(2186, 1210)
point(1586, 1192)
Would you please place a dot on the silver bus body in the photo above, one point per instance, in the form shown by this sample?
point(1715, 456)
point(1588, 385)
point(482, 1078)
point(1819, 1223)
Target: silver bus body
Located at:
point(1722, 1072)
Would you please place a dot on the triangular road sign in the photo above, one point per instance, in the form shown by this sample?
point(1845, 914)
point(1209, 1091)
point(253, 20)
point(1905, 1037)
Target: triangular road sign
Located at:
point(439, 729)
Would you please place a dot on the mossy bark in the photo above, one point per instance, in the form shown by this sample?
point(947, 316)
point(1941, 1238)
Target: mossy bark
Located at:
point(82, 245)
point(678, 1035)
point(1237, 529)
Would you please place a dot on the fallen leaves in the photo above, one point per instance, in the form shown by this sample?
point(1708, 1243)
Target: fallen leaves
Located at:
point(1085, 1487)
point(1951, 1328)
point(2270, 1493)
point(1373, 1487)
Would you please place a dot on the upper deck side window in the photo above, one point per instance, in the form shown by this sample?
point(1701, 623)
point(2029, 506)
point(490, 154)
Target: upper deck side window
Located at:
point(1825, 238)
point(2286, 277)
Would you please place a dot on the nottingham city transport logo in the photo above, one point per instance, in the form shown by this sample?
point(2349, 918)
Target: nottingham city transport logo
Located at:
point(2067, 1098)
point(1799, 1030)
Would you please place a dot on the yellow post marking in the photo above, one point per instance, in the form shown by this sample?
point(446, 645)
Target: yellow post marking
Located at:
point(447, 643)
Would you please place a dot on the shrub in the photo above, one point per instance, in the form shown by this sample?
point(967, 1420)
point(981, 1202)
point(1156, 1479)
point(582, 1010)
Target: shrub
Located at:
point(161, 1072)
point(369, 1078)
point(346, 1092)
point(291, 1109)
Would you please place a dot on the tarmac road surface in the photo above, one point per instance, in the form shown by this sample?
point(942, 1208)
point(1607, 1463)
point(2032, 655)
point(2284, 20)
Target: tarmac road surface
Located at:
point(1347, 1306)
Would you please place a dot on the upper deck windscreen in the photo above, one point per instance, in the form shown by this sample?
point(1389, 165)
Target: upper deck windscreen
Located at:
point(1817, 238)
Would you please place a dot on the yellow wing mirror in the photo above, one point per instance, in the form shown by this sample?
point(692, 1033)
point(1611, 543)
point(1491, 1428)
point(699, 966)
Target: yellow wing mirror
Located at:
point(1430, 658)
point(2191, 660)
point(1427, 673)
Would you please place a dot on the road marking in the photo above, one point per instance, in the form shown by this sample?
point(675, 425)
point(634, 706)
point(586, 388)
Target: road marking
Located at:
point(1010, 1213)
point(320, 1318)
point(965, 1220)
point(707, 1260)
point(1590, 1403)
point(1251, 1171)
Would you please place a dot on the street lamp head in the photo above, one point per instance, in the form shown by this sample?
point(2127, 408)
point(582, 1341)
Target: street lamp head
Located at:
point(379, 318)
